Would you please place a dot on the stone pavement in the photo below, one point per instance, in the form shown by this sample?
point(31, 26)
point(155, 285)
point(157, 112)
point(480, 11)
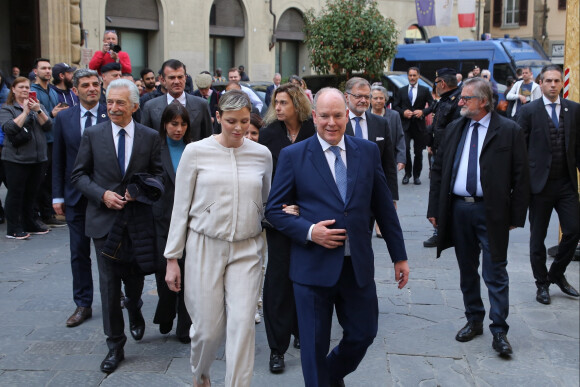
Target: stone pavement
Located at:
point(415, 344)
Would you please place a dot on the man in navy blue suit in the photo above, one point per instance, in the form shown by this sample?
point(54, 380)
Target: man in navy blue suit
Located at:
point(67, 200)
point(338, 183)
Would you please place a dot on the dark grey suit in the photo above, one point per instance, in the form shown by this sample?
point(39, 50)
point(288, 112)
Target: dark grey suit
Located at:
point(380, 134)
point(97, 170)
point(198, 109)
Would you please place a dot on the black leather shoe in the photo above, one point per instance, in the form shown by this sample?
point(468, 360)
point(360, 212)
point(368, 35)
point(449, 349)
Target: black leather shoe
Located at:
point(165, 327)
point(337, 383)
point(469, 331)
point(112, 360)
point(565, 286)
point(543, 295)
point(417, 181)
point(501, 344)
point(137, 325)
point(296, 343)
point(276, 362)
point(431, 242)
point(406, 179)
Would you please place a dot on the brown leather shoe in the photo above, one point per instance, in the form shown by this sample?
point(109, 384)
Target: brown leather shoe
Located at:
point(79, 316)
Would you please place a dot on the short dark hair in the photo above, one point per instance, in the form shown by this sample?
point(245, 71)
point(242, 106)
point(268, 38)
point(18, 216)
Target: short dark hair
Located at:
point(40, 60)
point(145, 72)
point(413, 68)
point(173, 110)
point(550, 67)
point(173, 64)
point(450, 80)
point(83, 73)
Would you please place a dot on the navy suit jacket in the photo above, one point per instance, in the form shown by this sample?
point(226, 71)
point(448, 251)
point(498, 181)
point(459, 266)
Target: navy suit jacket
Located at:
point(67, 139)
point(380, 134)
point(303, 177)
point(269, 92)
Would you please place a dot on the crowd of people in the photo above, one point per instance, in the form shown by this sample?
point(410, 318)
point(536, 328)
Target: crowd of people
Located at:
point(195, 187)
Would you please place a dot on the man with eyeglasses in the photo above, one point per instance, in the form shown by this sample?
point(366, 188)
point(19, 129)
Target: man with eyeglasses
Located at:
point(371, 127)
point(445, 110)
point(413, 103)
point(110, 53)
point(479, 192)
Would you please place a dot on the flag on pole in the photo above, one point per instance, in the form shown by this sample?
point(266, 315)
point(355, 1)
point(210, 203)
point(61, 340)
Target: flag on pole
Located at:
point(425, 12)
point(443, 11)
point(466, 13)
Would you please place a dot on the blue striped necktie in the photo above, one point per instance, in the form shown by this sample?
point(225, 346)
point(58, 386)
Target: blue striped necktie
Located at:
point(339, 172)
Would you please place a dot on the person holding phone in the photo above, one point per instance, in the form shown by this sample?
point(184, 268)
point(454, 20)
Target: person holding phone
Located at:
point(24, 121)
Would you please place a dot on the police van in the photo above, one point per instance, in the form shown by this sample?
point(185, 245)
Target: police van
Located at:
point(500, 56)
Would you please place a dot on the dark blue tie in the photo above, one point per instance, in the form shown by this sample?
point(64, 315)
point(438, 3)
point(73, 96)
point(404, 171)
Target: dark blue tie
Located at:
point(411, 94)
point(339, 172)
point(554, 115)
point(121, 150)
point(471, 185)
point(357, 128)
point(89, 119)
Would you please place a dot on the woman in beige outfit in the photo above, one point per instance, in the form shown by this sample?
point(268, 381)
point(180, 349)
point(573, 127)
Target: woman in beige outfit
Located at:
point(221, 187)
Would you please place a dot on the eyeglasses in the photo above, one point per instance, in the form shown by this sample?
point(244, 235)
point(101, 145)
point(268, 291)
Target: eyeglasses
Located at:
point(360, 96)
point(466, 98)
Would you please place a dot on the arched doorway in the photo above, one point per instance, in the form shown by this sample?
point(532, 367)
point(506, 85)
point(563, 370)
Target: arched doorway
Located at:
point(289, 41)
point(414, 32)
point(135, 21)
point(226, 32)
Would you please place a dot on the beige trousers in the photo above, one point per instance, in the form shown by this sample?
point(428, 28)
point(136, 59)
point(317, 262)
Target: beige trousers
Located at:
point(221, 291)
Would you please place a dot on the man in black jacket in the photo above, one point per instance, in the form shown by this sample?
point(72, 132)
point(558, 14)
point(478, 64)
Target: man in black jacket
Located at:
point(479, 192)
point(413, 103)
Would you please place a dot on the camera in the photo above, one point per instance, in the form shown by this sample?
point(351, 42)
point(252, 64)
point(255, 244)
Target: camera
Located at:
point(114, 47)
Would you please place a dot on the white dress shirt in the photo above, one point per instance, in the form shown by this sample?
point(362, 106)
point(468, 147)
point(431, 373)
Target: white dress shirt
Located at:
point(129, 136)
point(363, 124)
point(330, 158)
point(94, 111)
point(459, 188)
point(547, 103)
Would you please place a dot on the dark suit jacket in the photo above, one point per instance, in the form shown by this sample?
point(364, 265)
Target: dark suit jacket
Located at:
point(213, 100)
point(303, 177)
point(269, 92)
point(197, 108)
point(533, 118)
point(380, 134)
point(504, 180)
point(97, 170)
point(67, 139)
point(402, 103)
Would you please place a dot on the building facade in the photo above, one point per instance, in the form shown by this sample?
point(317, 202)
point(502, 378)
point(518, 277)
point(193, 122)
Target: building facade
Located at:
point(266, 36)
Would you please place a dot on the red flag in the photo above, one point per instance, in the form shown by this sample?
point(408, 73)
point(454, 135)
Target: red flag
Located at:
point(466, 13)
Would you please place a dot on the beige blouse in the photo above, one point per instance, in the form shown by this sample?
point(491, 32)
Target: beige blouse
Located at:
point(219, 192)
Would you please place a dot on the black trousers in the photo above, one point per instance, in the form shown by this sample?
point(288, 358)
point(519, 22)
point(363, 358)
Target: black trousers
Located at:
point(111, 274)
point(279, 306)
point(23, 181)
point(413, 168)
point(44, 194)
point(563, 197)
point(170, 303)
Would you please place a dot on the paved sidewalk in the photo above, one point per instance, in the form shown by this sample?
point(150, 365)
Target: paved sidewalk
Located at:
point(415, 345)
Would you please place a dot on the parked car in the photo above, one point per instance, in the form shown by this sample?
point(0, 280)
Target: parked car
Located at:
point(258, 87)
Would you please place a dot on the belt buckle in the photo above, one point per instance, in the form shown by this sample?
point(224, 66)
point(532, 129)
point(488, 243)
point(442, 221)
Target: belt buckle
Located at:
point(469, 199)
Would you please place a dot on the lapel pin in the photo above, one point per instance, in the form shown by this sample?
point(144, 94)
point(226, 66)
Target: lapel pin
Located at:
point(565, 109)
point(103, 115)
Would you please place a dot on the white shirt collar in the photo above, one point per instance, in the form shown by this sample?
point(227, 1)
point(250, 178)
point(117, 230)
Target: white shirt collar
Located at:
point(129, 129)
point(351, 116)
point(326, 145)
point(181, 98)
point(484, 122)
point(548, 102)
point(94, 111)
